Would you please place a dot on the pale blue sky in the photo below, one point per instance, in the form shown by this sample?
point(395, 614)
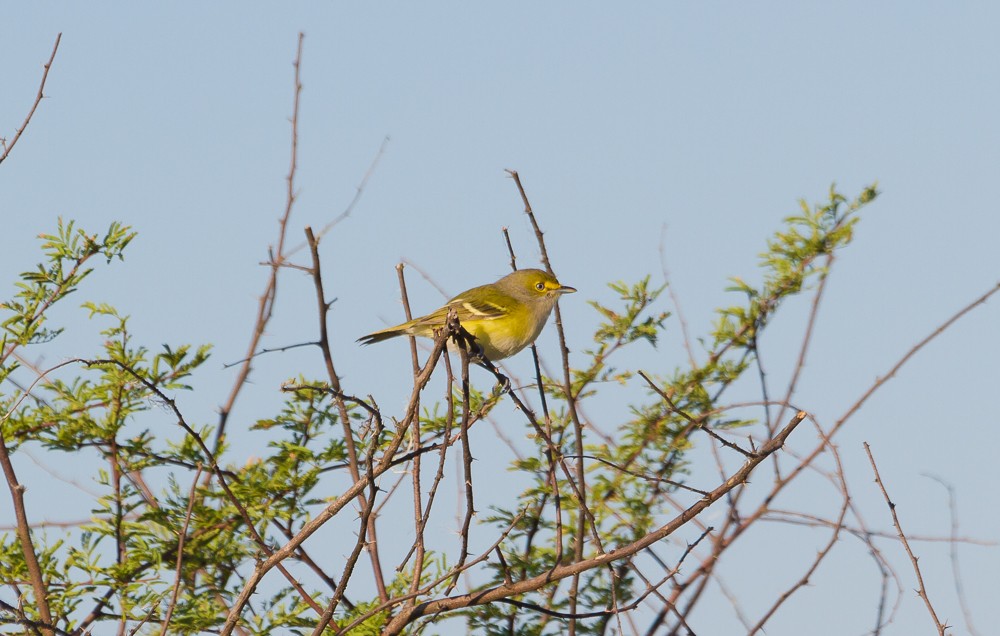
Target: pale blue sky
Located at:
point(711, 119)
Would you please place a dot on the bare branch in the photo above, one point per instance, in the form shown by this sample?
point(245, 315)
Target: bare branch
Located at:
point(358, 191)
point(551, 453)
point(435, 583)
point(470, 506)
point(686, 337)
point(913, 351)
point(921, 589)
point(216, 469)
point(363, 529)
point(7, 147)
point(492, 594)
point(800, 363)
point(20, 514)
point(181, 537)
point(954, 540)
point(696, 423)
point(837, 526)
point(581, 487)
point(345, 421)
point(265, 306)
point(385, 463)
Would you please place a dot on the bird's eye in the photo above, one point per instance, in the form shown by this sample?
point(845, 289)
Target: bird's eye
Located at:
point(540, 286)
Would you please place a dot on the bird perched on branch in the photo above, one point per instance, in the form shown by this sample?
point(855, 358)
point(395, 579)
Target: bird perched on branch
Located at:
point(504, 317)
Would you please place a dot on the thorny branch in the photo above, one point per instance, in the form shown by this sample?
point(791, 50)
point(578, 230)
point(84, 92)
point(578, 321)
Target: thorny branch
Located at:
point(953, 541)
point(578, 441)
point(383, 464)
point(8, 146)
point(265, 306)
point(921, 589)
point(575, 568)
point(352, 454)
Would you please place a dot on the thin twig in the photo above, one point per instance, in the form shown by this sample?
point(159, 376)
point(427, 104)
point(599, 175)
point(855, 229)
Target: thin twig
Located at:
point(837, 527)
point(654, 588)
point(551, 454)
point(359, 545)
point(650, 478)
point(798, 518)
point(419, 523)
point(726, 537)
point(492, 594)
point(384, 464)
point(20, 618)
point(581, 489)
point(425, 514)
point(800, 362)
point(510, 249)
point(23, 527)
point(358, 191)
point(265, 306)
point(954, 540)
point(217, 471)
point(266, 350)
point(470, 506)
point(694, 422)
point(347, 629)
point(685, 336)
point(921, 590)
point(345, 420)
point(303, 556)
point(405, 299)
point(427, 277)
point(913, 351)
point(182, 535)
point(116, 521)
point(7, 147)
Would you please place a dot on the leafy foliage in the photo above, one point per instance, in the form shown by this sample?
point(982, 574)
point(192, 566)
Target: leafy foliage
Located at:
point(170, 520)
point(629, 477)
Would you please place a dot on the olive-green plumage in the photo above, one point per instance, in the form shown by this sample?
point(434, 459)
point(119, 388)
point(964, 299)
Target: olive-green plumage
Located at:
point(505, 316)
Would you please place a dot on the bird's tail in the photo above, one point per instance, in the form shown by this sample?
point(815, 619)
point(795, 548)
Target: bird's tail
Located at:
point(379, 336)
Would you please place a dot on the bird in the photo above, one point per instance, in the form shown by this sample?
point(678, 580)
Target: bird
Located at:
point(504, 317)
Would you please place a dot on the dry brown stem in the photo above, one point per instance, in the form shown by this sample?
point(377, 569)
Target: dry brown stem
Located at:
point(8, 146)
point(921, 589)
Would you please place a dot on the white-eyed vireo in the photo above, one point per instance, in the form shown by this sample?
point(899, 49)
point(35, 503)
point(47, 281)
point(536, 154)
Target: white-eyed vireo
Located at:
point(505, 316)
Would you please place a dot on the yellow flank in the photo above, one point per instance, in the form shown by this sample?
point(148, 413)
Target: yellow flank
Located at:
point(501, 338)
point(504, 317)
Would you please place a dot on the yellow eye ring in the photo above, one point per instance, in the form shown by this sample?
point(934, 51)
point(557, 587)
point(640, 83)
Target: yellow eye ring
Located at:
point(540, 286)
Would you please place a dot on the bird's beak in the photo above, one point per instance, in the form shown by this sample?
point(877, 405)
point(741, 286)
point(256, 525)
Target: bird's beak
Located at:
point(566, 289)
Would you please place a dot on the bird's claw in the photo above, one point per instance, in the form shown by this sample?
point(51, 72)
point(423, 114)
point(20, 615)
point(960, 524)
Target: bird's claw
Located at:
point(503, 384)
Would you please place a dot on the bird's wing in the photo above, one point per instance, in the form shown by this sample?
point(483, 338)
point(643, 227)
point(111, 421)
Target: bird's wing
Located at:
point(477, 309)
